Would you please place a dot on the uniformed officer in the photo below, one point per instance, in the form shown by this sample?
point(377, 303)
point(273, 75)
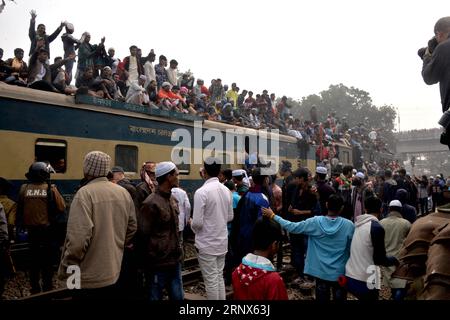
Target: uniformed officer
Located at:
point(38, 205)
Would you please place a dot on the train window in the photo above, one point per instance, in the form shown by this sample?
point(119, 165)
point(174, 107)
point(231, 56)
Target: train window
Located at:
point(127, 157)
point(346, 157)
point(183, 168)
point(52, 151)
point(225, 157)
point(292, 151)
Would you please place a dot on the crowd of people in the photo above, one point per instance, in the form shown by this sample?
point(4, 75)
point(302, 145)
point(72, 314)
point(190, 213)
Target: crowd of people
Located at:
point(127, 238)
point(138, 79)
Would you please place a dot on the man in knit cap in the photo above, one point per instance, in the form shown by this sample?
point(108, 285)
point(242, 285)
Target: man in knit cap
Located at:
point(102, 220)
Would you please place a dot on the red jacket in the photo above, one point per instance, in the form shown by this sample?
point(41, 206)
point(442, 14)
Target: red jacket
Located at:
point(251, 283)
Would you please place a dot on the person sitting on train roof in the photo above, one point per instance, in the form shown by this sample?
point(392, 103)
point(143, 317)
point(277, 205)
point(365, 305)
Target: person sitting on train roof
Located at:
point(105, 83)
point(87, 54)
point(152, 91)
point(39, 37)
point(87, 85)
point(3, 69)
point(188, 106)
point(17, 69)
point(201, 103)
point(39, 72)
point(136, 93)
point(60, 76)
point(180, 107)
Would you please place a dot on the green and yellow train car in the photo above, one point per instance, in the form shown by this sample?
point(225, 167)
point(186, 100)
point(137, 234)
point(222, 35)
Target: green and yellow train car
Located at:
point(44, 126)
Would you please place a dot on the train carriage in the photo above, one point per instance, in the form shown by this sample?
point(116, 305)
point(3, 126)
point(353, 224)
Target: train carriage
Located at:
point(44, 126)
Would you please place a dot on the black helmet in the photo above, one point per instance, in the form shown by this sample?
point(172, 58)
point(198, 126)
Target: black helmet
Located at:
point(39, 172)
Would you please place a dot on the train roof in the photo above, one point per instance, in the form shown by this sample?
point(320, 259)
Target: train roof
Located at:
point(120, 108)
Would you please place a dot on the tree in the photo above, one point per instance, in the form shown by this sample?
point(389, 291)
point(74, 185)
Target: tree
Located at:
point(353, 103)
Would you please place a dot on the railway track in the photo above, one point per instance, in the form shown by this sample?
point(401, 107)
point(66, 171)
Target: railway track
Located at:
point(191, 275)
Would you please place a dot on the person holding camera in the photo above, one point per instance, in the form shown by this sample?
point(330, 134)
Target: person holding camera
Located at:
point(436, 68)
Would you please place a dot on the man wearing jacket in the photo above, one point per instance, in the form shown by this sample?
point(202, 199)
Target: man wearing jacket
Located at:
point(159, 231)
point(102, 220)
point(329, 239)
point(367, 252)
point(38, 206)
point(256, 277)
point(39, 37)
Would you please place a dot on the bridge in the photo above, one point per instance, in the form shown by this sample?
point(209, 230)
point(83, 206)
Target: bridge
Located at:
point(424, 147)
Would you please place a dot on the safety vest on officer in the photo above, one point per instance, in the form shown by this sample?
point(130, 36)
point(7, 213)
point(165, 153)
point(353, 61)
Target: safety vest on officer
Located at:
point(34, 200)
point(35, 203)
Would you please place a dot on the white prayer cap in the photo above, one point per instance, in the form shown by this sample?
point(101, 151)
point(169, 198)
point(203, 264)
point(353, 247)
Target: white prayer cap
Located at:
point(163, 168)
point(69, 26)
point(321, 170)
point(360, 175)
point(238, 172)
point(165, 84)
point(143, 77)
point(395, 203)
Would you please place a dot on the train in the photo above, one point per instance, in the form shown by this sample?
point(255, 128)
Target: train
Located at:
point(45, 126)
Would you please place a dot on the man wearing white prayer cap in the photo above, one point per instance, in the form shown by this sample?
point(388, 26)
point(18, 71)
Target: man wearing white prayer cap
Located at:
point(396, 228)
point(136, 93)
point(160, 237)
point(360, 175)
point(241, 180)
point(323, 188)
point(358, 195)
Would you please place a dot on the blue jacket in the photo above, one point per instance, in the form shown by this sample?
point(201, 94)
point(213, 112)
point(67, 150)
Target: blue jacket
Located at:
point(249, 212)
point(329, 241)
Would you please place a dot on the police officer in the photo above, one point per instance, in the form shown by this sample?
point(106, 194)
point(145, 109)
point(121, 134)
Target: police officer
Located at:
point(38, 205)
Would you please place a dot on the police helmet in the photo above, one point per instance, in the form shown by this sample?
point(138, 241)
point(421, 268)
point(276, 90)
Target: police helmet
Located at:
point(39, 172)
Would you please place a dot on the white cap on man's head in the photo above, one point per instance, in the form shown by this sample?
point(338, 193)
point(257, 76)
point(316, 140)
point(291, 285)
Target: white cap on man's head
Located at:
point(163, 168)
point(395, 203)
point(360, 175)
point(321, 170)
point(238, 172)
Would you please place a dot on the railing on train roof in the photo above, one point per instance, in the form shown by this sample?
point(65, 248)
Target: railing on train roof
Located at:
point(79, 99)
